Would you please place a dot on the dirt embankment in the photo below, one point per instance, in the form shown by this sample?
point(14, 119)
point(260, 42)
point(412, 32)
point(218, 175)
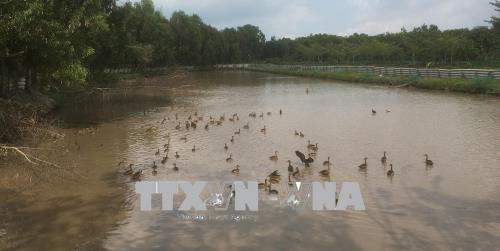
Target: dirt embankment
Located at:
point(23, 114)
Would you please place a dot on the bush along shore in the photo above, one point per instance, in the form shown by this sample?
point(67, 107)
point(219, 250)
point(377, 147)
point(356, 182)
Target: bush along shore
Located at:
point(479, 85)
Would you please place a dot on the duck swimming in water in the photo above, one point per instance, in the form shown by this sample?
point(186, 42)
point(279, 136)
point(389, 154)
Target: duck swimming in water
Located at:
point(325, 172)
point(129, 170)
point(275, 156)
point(275, 174)
point(164, 160)
point(236, 170)
point(137, 176)
point(327, 162)
point(302, 158)
point(230, 158)
point(383, 159)
point(272, 191)
point(296, 174)
point(364, 165)
point(428, 161)
point(263, 185)
point(390, 172)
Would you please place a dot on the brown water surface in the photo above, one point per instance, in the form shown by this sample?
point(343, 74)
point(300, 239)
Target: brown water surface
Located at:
point(453, 205)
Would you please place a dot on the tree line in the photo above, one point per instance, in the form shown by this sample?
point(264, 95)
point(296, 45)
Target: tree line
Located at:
point(60, 44)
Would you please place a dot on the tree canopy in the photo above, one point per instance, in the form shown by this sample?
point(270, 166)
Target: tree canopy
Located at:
point(61, 43)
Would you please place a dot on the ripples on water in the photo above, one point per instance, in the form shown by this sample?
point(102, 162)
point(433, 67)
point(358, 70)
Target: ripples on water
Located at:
point(454, 205)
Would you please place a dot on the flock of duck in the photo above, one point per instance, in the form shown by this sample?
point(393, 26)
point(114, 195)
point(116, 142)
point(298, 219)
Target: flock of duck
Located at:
point(272, 178)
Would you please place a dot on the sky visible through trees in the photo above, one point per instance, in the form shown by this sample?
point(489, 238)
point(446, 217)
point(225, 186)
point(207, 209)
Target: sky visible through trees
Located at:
point(63, 43)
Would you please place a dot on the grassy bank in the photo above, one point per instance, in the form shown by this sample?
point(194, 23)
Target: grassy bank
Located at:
point(478, 85)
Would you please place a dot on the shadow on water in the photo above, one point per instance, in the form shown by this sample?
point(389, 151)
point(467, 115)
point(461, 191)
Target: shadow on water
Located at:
point(89, 111)
point(62, 222)
point(280, 229)
point(473, 222)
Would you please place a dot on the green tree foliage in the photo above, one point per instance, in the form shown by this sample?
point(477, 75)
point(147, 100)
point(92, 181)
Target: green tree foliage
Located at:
point(424, 45)
point(51, 40)
point(494, 19)
point(59, 43)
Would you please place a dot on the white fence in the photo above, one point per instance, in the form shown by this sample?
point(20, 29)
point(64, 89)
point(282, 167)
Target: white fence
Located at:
point(393, 71)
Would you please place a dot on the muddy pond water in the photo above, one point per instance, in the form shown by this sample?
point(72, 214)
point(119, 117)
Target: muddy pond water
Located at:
point(453, 205)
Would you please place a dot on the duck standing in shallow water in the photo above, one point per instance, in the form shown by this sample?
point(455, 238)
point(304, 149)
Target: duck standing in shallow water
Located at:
point(176, 168)
point(230, 158)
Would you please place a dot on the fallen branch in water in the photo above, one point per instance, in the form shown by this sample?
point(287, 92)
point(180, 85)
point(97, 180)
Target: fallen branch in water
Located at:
point(15, 149)
point(29, 158)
